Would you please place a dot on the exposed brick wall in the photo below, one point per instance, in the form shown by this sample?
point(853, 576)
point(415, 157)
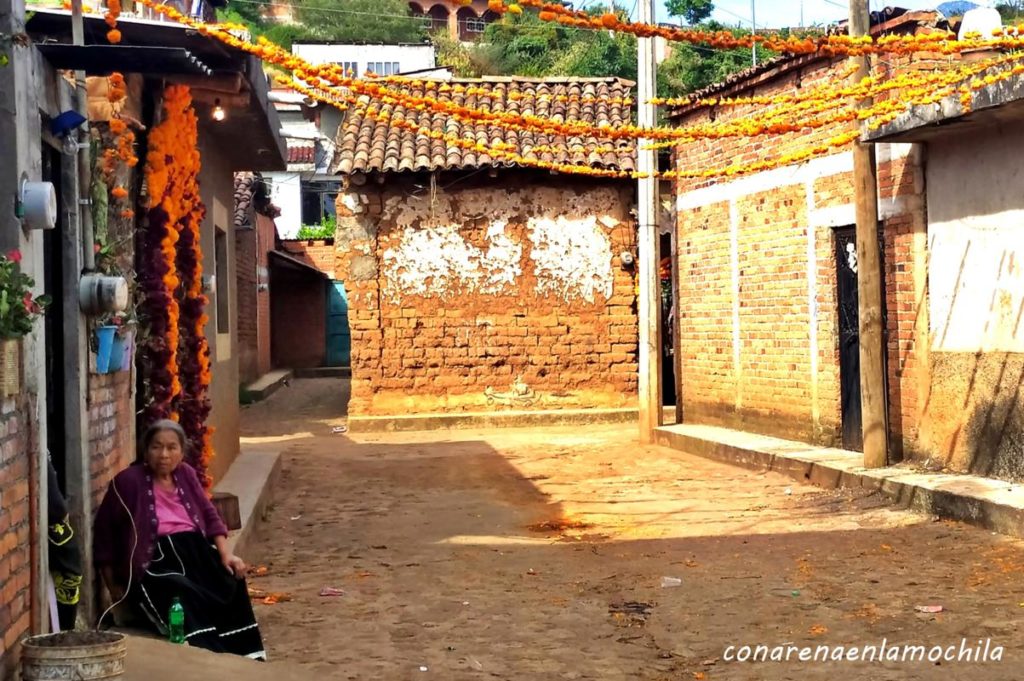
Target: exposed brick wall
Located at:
point(252, 272)
point(299, 319)
point(111, 412)
point(15, 569)
point(464, 292)
point(753, 252)
point(320, 253)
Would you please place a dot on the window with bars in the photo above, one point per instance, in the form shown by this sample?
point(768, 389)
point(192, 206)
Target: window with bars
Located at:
point(351, 68)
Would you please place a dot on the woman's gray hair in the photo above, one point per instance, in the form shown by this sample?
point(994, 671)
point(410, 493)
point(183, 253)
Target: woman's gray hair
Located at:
point(159, 427)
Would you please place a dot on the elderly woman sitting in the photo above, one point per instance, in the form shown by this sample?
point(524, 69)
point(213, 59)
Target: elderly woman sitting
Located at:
point(158, 537)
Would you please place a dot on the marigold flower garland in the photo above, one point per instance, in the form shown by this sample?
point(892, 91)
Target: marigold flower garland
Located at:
point(170, 159)
point(113, 12)
point(826, 45)
point(176, 353)
point(194, 350)
point(334, 75)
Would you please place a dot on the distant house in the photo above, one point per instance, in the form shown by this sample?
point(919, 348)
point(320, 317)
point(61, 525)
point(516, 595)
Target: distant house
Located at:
point(380, 60)
point(477, 285)
point(306, 192)
point(463, 21)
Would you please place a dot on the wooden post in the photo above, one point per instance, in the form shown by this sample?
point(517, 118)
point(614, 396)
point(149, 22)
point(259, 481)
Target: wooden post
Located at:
point(869, 275)
point(649, 308)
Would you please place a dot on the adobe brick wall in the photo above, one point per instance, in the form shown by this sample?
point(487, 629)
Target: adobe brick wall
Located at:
point(252, 246)
point(320, 253)
point(494, 280)
point(755, 251)
point(15, 569)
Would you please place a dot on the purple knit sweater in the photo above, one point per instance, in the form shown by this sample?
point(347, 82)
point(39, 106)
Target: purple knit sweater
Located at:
point(113, 537)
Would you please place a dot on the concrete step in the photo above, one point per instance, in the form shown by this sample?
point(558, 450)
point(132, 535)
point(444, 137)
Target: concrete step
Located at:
point(986, 502)
point(496, 419)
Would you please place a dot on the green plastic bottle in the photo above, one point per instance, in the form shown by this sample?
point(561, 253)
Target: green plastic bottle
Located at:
point(176, 622)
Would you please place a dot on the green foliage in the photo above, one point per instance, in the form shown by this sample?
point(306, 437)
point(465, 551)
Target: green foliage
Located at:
point(523, 45)
point(1013, 10)
point(361, 21)
point(455, 55)
point(325, 230)
point(692, 11)
point(18, 309)
point(338, 21)
point(694, 67)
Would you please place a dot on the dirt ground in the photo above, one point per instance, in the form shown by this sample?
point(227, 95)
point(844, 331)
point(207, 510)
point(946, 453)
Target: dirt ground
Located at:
point(540, 554)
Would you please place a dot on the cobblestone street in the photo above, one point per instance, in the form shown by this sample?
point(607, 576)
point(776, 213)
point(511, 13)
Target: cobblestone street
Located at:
point(540, 554)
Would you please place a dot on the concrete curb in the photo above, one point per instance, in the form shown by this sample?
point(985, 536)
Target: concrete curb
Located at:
point(251, 478)
point(497, 419)
point(267, 385)
point(988, 503)
point(323, 372)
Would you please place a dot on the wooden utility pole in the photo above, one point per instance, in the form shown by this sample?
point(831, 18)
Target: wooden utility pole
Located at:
point(869, 275)
point(647, 225)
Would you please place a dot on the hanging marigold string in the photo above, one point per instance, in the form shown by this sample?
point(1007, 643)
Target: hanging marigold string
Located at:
point(331, 77)
point(194, 350)
point(824, 45)
point(334, 75)
point(113, 12)
point(171, 160)
point(333, 97)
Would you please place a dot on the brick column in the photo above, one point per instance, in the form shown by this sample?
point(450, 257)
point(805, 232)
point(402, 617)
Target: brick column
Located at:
point(357, 266)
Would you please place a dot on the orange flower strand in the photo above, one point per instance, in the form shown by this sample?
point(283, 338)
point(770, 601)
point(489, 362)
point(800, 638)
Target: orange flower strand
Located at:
point(728, 171)
point(332, 74)
point(829, 45)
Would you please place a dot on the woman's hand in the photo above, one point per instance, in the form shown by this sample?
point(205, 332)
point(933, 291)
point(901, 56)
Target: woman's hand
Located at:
point(234, 565)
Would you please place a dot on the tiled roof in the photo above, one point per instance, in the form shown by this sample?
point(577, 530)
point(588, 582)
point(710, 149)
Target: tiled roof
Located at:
point(251, 198)
point(245, 188)
point(366, 144)
point(301, 151)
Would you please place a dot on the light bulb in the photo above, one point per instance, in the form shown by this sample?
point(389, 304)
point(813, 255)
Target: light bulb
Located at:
point(218, 111)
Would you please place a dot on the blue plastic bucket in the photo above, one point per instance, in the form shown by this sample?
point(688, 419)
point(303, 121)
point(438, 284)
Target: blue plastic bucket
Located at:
point(105, 344)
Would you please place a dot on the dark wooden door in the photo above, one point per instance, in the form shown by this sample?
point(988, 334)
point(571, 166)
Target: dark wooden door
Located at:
point(849, 338)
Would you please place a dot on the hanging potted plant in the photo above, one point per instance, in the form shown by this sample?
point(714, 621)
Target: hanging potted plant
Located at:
point(18, 312)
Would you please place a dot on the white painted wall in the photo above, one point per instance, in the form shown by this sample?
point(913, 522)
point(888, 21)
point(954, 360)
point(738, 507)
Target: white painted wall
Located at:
point(409, 57)
point(976, 241)
point(286, 194)
point(566, 238)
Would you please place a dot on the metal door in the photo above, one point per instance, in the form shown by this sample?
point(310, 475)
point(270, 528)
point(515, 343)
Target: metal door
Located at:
point(339, 337)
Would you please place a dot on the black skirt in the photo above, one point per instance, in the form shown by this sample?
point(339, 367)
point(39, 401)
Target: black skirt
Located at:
point(218, 612)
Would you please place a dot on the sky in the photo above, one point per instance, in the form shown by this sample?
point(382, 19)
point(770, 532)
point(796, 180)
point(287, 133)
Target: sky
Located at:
point(779, 13)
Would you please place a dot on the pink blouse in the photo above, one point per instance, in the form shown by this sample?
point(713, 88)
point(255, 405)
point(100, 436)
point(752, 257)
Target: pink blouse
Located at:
point(170, 513)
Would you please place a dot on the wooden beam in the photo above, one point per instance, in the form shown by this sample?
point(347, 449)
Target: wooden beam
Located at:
point(869, 274)
point(649, 308)
point(230, 85)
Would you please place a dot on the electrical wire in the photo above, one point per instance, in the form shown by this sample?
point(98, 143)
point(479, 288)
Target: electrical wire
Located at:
point(131, 560)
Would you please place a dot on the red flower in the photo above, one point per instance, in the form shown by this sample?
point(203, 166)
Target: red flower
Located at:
point(14, 256)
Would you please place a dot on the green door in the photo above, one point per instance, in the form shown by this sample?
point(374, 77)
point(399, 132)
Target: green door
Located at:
point(339, 338)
